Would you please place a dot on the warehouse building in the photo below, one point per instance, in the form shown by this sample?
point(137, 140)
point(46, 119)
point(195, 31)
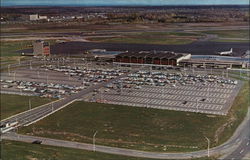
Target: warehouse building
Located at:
point(41, 48)
point(154, 57)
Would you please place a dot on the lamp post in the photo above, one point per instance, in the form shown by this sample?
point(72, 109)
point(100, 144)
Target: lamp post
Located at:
point(208, 145)
point(9, 69)
point(14, 76)
point(197, 105)
point(94, 140)
point(52, 107)
point(30, 65)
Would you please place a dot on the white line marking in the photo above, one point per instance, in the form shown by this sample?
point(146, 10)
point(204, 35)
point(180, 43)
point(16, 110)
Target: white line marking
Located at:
point(247, 143)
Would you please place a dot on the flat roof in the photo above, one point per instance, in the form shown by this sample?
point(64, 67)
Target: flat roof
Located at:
point(209, 61)
point(153, 54)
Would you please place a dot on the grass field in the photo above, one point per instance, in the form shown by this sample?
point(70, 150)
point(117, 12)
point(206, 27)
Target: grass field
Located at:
point(231, 40)
point(25, 151)
point(13, 104)
point(10, 48)
point(141, 128)
point(151, 38)
point(230, 35)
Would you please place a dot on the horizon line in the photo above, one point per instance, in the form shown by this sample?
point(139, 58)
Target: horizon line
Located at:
point(134, 5)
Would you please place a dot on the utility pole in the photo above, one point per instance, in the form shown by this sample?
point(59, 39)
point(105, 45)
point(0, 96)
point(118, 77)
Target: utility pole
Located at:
point(94, 141)
point(208, 145)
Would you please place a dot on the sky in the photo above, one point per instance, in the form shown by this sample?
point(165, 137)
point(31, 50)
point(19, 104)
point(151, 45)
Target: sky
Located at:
point(119, 2)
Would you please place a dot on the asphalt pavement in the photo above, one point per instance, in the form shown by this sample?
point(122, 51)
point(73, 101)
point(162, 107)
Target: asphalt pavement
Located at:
point(35, 114)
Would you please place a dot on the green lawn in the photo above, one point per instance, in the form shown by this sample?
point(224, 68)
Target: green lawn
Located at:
point(13, 104)
point(230, 33)
point(140, 128)
point(231, 40)
point(25, 151)
point(11, 48)
point(152, 38)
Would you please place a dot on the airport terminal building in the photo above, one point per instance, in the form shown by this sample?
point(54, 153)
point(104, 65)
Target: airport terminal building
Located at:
point(152, 57)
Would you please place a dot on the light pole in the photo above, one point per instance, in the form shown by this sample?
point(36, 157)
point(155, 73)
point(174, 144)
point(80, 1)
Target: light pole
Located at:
point(227, 72)
point(47, 79)
point(9, 69)
point(52, 107)
point(14, 76)
point(30, 65)
point(94, 140)
point(208, 145)
point(197, 105)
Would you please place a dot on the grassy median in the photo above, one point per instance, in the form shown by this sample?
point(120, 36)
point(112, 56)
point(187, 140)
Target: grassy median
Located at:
point(241, 35)
point(151, 38)
point(230, 33)
point(13, 104)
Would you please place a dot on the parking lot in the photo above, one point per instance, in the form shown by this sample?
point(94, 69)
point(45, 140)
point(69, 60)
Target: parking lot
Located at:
point(165, 89)
point(54, 81)
point(193, 93)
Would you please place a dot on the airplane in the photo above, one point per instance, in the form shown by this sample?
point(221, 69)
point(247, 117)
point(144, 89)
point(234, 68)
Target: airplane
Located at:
point(226, 53)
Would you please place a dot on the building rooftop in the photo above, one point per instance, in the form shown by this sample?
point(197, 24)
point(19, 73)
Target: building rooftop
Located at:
point(153, 54)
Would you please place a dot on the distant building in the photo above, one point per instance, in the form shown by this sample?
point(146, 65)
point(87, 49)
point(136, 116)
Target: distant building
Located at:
point(156, 57)
point(34, 17)
point(208, 61)
point(41, 48)
point(43, 18)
